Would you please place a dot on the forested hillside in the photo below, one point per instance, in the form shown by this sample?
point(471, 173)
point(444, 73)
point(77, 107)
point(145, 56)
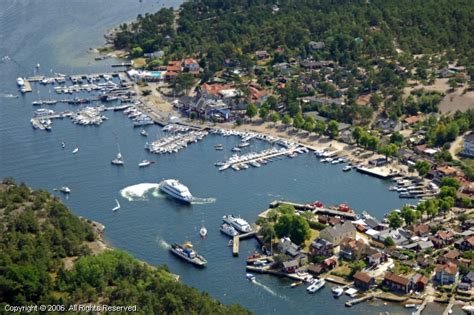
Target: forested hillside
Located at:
point(38, 234)
point(352, 29)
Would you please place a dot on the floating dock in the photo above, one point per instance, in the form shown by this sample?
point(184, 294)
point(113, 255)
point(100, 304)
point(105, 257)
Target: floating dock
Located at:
point(361, 299)
point(26, 88)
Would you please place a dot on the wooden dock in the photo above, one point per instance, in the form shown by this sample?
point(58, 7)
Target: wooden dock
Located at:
point(361, 299)
point(266, 270)
point(236, 241)
point(26, 88)
point(422, 306)
point(377, 172)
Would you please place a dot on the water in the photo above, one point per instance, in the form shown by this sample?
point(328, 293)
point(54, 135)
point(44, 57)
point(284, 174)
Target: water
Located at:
point(57, 35)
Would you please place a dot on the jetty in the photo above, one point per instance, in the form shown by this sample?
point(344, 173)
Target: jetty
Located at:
point(361, 299)
point(236, 241)
point(314, 209)
point(173, 144)
point(422, 306)
point(26, 88)
point(381, 172)
point(267, 270)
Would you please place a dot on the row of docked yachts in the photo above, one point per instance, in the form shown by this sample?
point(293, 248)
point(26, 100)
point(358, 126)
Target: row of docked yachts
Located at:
point(174, 143)
point(257, 159)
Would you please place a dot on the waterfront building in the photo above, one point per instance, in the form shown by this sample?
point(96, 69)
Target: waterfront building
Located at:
point(335, 234)
point(363, 281)
point(468, 150)
point(446, 274)
point(397, 283)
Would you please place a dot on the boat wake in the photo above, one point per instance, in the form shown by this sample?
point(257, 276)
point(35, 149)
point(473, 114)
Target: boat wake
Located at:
point(8, 95)
point(163, 244)
point(139, 192)
point(270, 290)
point(203, 201)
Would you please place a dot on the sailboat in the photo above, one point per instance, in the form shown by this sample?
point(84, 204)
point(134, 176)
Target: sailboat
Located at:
point(117, 206)
point(118, 160)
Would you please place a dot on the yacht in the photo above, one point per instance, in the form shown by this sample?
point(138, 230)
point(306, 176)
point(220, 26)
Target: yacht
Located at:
point(238, 223)
point(20, 81)
point(337, 291)
point(177, 190)
point(118, 160)
point(65, 189)
point(228, 229)
point(316, 285)
point(145, 163)
point(187, 253)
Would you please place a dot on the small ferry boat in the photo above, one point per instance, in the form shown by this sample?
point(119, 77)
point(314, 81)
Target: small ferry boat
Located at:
point(175, 189)
point(316, 285)
point(337, 291)
point(250, 277)
point(145, 163)
point(228, 229)
point(65, 189)
point(238, 223)
point(187, 253)
point(144, 133)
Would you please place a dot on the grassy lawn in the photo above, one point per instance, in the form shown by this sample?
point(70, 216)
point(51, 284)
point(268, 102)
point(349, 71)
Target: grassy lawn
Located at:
point(342, 271)
point(139, 62)
point(314, 235)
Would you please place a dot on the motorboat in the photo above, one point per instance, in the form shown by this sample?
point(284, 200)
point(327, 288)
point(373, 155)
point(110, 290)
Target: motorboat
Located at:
point(186, 252)
point(117, 207)
point(20, 81)
point(228, 229)
point(346, 168)
point(63, 144)
point(238, 223)
point(219, 147)
point(236, 149)
point(250, 277)
point(65, 189)
point(75, 150)
point(144, 133)
point(297, 283)
point(337, 291)
point(175, 189)
point(145, 163)
point(203, 232)
point(316, 285)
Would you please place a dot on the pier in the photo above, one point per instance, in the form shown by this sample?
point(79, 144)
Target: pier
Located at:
point(422, 306)
point(361, 299)
point(316, 210)
point(26, 88)
point(292, 276)
point(378, 172)
point(236, 241)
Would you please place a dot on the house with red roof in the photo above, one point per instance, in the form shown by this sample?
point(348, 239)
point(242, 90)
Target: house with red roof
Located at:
point(446, 274)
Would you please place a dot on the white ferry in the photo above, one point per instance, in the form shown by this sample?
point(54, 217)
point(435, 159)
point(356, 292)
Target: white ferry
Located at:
point(238, 223)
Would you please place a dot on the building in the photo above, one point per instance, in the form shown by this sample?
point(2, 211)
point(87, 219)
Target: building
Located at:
point(468, 150)
point(397, 282)
point(313, 46)
point(352, 249)
point(419, 282)
point(262, 55)
point(335, 234)
point(465, 244)
point(376, 258)
point(446, 274)
point(290, 266)
point(363, 281)
point(286, 246)
point(321, 247)
point(420, 229)
point(191, 65)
